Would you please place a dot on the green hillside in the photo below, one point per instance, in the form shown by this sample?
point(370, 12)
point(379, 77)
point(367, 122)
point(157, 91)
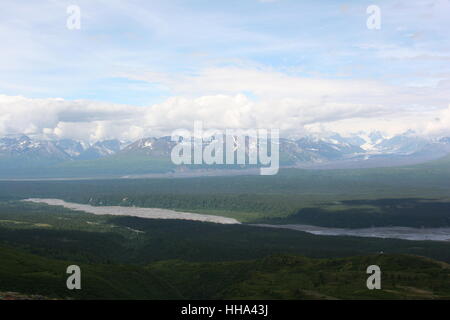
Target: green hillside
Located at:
point(31, 274)
point(134, 258)
point(275, 277)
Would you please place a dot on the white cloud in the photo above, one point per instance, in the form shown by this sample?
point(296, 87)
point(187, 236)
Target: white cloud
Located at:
point(81, 119)
point(92, 121)
point(262, 82)
point(231, 97)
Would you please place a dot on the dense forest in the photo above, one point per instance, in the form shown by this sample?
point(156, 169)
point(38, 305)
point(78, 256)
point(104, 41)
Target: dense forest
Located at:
point(351, 199)
point(134, 258)
point(60, 233)
point(129, 257)
point(274, 277)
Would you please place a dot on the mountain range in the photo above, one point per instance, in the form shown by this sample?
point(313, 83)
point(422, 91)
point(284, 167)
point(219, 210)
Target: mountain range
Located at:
point(23, 156)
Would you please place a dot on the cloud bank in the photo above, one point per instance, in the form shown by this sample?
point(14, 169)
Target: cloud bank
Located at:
point(238, 98)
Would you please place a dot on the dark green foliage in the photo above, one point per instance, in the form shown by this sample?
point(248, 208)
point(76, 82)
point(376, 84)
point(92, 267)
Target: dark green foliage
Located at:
point(280, 199)
point(91, 238)
point(127, 257)
point(415, 213)
point(31, 274)
point(275, 277)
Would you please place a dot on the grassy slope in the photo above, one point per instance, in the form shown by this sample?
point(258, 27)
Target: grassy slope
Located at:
point(294, 277)
point(276, 277)
point(31, 274)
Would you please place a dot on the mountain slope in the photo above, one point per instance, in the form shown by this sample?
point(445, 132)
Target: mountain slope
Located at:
point(31, 274)
point(23, 157)
point(276, 277)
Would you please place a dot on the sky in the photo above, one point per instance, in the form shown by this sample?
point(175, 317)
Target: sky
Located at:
point(145, 68)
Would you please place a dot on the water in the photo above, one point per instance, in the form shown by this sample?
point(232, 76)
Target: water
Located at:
point(436, 234)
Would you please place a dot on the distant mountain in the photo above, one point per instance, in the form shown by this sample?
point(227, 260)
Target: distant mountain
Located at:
point(407, 143)
point(379, 150)
point(65, 149)
point(101, 149)
point(155, 147)
point(23, 148)
point(68, 157)
point(71, 147)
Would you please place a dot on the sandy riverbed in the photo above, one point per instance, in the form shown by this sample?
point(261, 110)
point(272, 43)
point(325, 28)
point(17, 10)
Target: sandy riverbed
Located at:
point(149, 213)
